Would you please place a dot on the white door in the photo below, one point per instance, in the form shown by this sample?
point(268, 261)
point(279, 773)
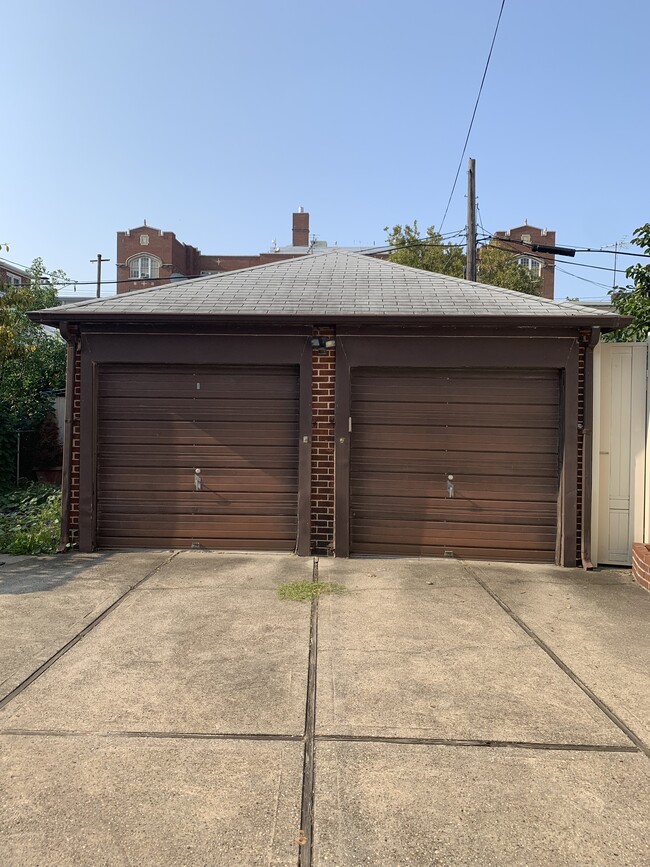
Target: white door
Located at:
point(620, 442)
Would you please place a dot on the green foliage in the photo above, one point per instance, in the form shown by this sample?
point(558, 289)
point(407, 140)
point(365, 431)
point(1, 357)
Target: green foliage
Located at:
point(430, 254)
point(303, 591)
point(32, 362)
point(30, 520)
point(496, 266)
point(634, 300)
point(499, 267)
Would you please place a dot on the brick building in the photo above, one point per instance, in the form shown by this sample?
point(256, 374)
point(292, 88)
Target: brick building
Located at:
point(520, 240)
point(150, 257)
point(11, 275)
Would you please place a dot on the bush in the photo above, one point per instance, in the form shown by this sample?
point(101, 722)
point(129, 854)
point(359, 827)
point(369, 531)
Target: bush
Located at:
point(30, 520)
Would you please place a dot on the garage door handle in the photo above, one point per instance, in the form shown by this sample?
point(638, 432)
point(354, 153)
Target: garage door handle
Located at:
point(450, 487)
point(197, 479)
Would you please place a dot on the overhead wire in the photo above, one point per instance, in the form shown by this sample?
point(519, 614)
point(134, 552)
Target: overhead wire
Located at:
point(471, 123)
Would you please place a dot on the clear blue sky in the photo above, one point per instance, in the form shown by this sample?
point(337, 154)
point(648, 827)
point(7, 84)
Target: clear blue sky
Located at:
point(218, 119)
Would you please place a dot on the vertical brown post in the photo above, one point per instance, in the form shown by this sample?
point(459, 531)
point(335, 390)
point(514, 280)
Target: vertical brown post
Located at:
point(471, 220)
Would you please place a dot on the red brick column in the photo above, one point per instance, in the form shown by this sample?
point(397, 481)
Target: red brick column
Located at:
point(641, 564)
point(74, 464)
point(322, 447)
point(581, 423)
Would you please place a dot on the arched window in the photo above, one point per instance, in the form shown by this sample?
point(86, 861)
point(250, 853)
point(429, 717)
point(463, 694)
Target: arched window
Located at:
point(143, 267)
point(533, 265)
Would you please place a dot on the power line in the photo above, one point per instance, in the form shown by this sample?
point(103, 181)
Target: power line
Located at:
point(584, 279)
point(471, 123)
point(573, 247)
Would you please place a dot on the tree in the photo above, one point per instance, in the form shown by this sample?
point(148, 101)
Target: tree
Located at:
point(32, 361)
point(496, 266)
point(430, 254)
point(634, 300)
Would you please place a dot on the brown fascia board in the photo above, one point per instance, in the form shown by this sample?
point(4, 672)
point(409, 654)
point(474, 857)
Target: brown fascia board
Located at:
point(606, 323)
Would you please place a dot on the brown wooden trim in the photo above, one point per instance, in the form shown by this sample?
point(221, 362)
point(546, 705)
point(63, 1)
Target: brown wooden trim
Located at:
point(522, 332)
point(569, 455)
point(587, 450)
point(342, 412)
point(117, 320)
point(194, 349)
point(303, 543)
point(189, 349)
point(70, 361)
point(453, 351)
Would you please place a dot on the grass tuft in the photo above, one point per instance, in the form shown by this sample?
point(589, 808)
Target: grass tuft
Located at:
point(303, 591)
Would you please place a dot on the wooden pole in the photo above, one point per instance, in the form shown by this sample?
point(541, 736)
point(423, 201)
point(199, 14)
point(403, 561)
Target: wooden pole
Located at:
point(471, 219)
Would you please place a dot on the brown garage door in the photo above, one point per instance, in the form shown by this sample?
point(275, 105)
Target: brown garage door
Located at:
point(238, 425)
point(494, 431)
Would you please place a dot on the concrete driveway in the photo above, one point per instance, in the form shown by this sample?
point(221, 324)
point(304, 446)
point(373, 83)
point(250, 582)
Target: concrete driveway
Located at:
point(163, 708)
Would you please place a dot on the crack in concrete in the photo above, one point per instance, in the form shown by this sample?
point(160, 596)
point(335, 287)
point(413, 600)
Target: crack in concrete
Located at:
point(470, 742)
point(82, 634)
point(305, 837)
point(326, 738)
point(600, 704)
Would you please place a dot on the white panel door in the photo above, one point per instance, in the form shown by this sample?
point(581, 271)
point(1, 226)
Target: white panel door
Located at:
point(622, 450)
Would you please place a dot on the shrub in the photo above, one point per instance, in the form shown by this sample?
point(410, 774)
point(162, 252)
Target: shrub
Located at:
point(30, 520)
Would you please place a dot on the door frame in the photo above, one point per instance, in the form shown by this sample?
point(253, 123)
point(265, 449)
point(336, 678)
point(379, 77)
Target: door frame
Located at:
point(461, 351)
point(192, 349)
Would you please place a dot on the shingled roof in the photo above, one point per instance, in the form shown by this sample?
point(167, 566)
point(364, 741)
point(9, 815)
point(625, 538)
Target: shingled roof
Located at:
point(335, 286)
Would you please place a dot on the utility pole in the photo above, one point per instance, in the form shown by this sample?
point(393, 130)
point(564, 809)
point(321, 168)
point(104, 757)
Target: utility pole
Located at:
point(471, 219)
point(99, 261)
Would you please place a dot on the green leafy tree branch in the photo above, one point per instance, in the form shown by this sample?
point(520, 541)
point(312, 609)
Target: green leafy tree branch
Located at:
point(634, 300)
point(496, 265)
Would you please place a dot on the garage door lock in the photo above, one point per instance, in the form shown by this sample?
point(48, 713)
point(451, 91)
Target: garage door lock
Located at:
point(197, 479)
point(450, 487)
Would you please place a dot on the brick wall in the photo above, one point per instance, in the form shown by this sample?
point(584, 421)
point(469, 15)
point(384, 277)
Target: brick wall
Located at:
point(322, 445)
point(581, 422)
point(537, 236)
point(641, 564)
point(74, 465)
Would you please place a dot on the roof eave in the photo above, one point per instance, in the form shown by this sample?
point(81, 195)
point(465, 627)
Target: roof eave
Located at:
point(606, 322)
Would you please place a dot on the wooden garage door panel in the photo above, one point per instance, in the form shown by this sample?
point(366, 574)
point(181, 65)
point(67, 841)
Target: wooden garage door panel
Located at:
point(179, 432)
point(239, 426)
point(495, 431)
point(204, 383)
point(437, 461)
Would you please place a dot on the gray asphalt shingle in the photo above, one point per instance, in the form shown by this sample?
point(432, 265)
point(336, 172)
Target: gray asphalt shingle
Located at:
point(327, 285)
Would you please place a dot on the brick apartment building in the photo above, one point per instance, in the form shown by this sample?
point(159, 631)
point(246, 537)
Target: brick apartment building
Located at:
point(520, 241)
point(11, 275)
point(149, 257)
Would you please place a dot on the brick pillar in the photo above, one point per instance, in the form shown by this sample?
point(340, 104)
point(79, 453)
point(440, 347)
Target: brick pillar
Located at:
point(322, 447)
point(641, 564)
point(581, 423)
point(74, 463)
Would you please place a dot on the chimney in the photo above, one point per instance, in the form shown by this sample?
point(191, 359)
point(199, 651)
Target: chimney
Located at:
point(300, 228)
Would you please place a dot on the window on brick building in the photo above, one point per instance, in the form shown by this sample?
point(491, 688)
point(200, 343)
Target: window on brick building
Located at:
point(533, 265)
point(143, 267)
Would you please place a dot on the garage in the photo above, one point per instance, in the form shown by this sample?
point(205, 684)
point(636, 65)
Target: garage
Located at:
point(455, 462)
point(326, 400)
point(197, 456)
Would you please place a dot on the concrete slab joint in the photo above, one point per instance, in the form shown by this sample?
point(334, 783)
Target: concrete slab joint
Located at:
point(436, 712)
